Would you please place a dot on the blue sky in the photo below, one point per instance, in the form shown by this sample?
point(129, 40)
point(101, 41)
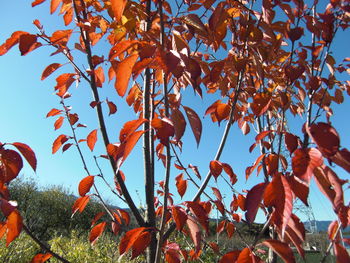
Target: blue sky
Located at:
point(26, 100)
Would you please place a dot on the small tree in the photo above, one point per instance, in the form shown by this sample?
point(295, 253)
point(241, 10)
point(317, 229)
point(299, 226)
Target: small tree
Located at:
point(262, 64)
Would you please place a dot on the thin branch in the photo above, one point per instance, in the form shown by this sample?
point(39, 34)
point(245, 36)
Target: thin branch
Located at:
point(100, 116)
point(43, 246)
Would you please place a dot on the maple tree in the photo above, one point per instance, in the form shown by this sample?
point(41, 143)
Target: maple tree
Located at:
point(263, 63)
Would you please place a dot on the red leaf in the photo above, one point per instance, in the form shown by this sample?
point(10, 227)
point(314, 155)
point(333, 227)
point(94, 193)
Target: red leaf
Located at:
point(342, 158)
point(54, 5)
point(129, 239)
point(11, 165)
point(123, 72)
point(85, 185)
point(58, 123)
point(253, 201)
point(80, 204)
point(37, 2)
point(230, 229)
point(181, 185)
point(27, 152)
point(201, 214)
point(304, 162)
point(118, 8)
point(73, 118)
point(326, 138)
point(195, 170)
point(330, 185)
point(140, 244)
point(246, 256)
point(250, 169)
point(41, 258)
point(291, 142)
point(96, 232)
point(279, 195)
point(164, 129)
point(262, 135)
point(112, 107)
point(333, 233)
point(91, 139)
point(60, 140)
point(299, 188)
point(179, 216)
point(282, 249)
point(217, 193)
point(229, 171)
point(195, 232)
point(14, 225)
point(27, 43)
point(341, 253)
point(261, 103)
point(61, 36)
point(179, 123)
point(96, 218)
point(295, 33)
point(215, 168)
point(230, 257)
point(195, 122)
point(49, 70)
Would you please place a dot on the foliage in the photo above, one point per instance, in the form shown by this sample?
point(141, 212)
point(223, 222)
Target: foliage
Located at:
point(263, 64)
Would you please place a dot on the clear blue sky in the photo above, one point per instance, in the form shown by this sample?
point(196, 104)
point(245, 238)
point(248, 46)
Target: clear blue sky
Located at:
point(26, 100)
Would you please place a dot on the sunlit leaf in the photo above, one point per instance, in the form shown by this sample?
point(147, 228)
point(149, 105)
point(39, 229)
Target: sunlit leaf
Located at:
point(91, 139)
point(85, 185)
point(195, 122)
point(14, 225)
point(96, 232)
point(282, 249)
point(123, 72)
point(27, 152)
point(41, 258)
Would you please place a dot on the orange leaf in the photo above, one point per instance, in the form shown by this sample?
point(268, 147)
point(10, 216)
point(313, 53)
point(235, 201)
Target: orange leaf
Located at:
point(215, 168)
point(61, 36)
point(118, 8)
point(112, 107)
point(96, 232)
point(27, 152)
point(230, 229)
point(53, 112)
point(140, 244)
point(80, 204)
point(261, 103)
point(229, 171)
point(181, 185)
point(99, 77)
point(60, 140)
point(14, 226)
point(130, 143)
point(91, 139)
point(41, 258)
point(58, 123)
point(246, 256)
point(85, 185)
point(123, 72)
point(3, 229)
point(97, 217)
point(49, 70)
point(37, 2)
point(129, 239)
point(11, 41)
point(120, 48)
point(282, 249)
point(195, 122)
point(217, 193)
point(54, 5)
point(291, 142)
point(253, 201)
point(129, 127)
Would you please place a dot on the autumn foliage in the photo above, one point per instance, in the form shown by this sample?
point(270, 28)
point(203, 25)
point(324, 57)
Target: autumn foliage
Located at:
point(261, 64)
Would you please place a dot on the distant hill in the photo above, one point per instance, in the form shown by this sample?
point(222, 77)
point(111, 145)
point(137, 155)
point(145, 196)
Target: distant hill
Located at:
point(322, 226)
